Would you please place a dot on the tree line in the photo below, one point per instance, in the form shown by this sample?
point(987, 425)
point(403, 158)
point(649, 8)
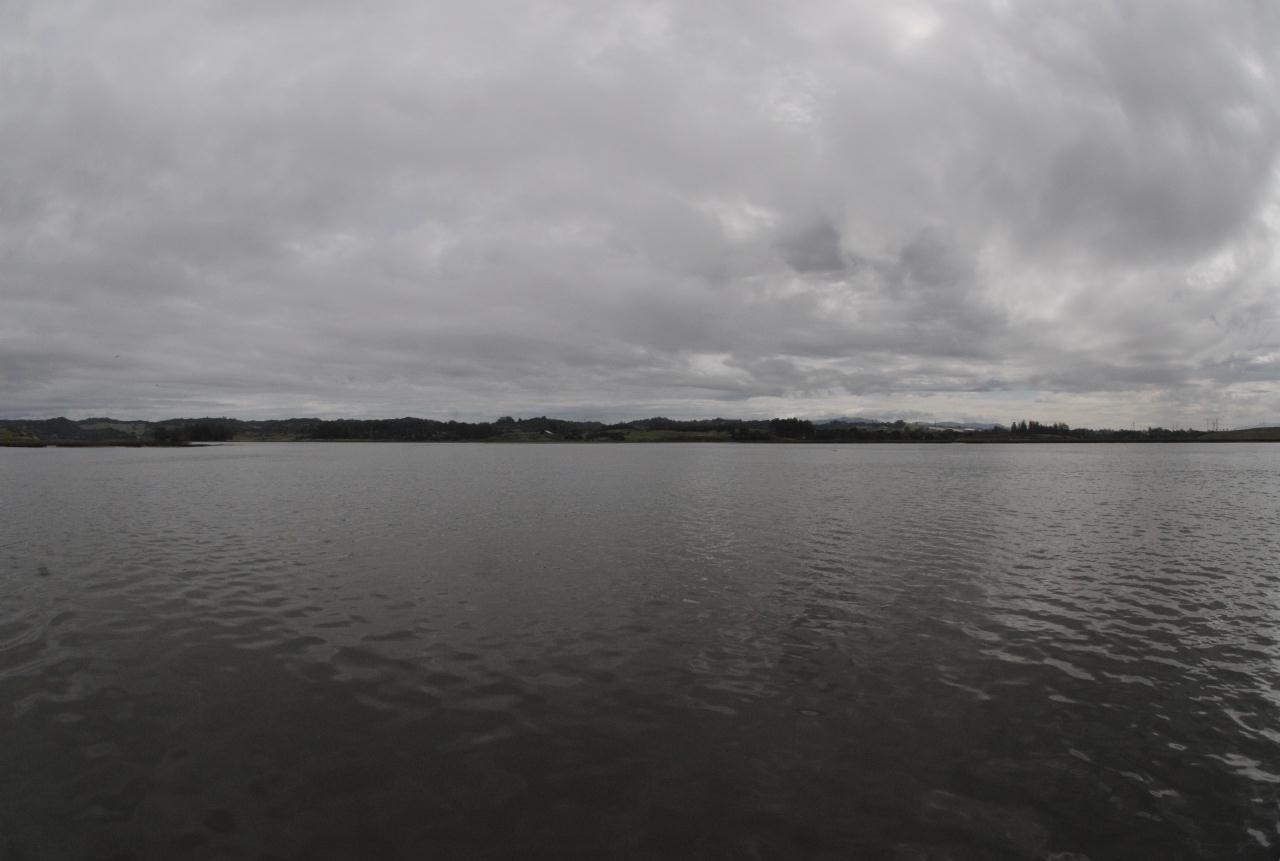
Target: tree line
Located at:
point(543, 428)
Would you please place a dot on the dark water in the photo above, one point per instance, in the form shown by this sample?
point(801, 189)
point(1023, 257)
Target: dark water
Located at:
point(486, 651)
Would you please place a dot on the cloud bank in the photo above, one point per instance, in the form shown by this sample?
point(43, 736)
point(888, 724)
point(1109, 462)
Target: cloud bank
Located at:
point(1066, 210)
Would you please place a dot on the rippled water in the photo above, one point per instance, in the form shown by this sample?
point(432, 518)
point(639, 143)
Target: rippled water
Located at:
point(717, 651)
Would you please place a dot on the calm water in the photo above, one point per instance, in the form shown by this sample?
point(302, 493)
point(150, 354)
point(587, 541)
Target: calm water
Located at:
point(709, 651)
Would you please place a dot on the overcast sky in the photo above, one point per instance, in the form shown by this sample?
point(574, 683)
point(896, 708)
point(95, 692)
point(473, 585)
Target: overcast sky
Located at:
point(1065, 211)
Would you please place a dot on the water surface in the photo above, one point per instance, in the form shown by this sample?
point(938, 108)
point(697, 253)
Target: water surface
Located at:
point(666, 651)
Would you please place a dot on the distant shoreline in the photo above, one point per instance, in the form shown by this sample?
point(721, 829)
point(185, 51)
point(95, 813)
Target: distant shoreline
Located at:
point(801, 442)
point(114, 433)
point(71, 443)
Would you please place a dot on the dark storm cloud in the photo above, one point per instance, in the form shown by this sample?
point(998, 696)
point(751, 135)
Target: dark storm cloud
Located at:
point(982, 209)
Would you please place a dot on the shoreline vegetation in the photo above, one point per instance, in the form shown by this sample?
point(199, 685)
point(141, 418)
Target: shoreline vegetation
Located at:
point(64, 432)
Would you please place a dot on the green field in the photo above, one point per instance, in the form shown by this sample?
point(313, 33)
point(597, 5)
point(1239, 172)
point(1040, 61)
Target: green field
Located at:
point(677, 436)
point(1245, 435)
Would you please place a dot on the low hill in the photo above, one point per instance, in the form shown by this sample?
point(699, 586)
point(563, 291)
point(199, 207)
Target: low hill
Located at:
point(1268, 434)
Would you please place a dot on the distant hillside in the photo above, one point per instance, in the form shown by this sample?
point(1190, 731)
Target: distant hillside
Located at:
point(1269, 434)
point(181, 431)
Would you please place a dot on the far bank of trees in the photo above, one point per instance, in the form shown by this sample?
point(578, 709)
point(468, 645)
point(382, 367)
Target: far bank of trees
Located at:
point(546, 429)
point(198, 431)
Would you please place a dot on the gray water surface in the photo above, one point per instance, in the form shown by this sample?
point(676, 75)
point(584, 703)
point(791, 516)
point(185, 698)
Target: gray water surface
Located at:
point(664, 651)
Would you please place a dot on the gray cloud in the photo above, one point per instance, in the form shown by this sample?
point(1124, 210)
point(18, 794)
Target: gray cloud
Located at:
point(1065, 211)
point(814, 250)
